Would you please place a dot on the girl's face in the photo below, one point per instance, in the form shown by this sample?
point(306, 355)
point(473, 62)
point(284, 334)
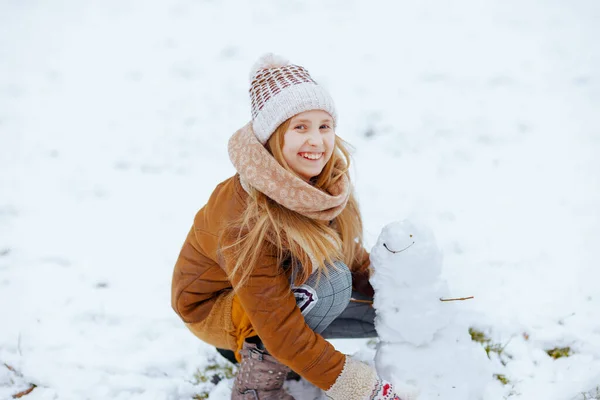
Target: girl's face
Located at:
point(309, 142)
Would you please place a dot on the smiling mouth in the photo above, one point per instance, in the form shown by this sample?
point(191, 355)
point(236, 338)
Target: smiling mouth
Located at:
point(311, 156)
point(397, 251)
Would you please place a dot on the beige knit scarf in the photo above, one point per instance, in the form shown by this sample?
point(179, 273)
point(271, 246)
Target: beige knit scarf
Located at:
point(259, 169)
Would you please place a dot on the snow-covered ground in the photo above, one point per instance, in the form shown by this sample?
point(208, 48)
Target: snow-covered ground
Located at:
point(480, 117)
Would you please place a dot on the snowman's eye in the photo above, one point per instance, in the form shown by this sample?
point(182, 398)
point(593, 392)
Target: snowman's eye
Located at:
point(410, 235)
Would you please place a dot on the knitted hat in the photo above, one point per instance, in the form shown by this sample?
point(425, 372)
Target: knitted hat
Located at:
point(279, 90)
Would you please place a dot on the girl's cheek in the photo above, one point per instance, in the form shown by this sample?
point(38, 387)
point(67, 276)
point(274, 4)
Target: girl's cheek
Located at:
point(331, 141)
point(296, 140)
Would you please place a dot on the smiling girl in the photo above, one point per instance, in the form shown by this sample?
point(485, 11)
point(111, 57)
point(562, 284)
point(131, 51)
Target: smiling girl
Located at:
point(274, 264)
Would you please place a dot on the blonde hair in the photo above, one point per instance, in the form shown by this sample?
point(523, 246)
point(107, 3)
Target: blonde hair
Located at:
point(266, 227)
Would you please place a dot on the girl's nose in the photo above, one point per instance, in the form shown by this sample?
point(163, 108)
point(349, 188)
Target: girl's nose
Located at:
point(314, 138)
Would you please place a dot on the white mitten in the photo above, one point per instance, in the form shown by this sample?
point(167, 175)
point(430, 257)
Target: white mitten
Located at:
point(384, 391)
point(359, 381)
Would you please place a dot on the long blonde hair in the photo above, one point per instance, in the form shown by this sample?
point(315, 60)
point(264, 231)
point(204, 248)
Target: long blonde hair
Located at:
point(266, 227)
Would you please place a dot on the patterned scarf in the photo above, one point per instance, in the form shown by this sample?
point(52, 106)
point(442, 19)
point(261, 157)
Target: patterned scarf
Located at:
point(259, 169)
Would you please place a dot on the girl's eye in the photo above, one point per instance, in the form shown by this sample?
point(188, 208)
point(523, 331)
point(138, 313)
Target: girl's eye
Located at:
point(299, 126)
point(324, 126)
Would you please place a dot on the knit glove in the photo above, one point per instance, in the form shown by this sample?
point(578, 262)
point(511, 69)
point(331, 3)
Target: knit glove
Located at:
point(384, 391)
point(359, 381)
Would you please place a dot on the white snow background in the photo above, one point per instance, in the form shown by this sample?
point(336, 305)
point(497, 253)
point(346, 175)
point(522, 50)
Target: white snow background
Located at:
point(481, 117)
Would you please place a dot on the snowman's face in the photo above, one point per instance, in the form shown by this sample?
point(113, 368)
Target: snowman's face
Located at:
point(410, 252)
point(400, 237)
point(410, 240)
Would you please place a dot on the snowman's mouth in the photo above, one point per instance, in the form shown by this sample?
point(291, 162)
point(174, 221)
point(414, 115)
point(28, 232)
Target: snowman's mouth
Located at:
point(397, 251)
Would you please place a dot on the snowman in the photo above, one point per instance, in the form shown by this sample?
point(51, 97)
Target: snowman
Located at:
point(424, 350)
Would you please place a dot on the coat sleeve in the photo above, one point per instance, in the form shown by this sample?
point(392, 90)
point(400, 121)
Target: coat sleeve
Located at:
point(271, 307)
point(196, 281)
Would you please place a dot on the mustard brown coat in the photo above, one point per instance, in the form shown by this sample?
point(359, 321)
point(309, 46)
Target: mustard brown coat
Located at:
point(203, 296)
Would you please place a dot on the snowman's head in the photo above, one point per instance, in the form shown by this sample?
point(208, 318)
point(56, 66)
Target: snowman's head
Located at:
point(407, 253)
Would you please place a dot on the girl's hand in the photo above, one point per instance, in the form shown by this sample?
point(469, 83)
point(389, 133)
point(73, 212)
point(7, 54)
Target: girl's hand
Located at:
point(394, 392)
point(359, 381)
point(385, 391)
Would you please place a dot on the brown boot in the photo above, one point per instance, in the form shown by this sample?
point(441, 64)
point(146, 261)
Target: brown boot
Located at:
point(260, 376)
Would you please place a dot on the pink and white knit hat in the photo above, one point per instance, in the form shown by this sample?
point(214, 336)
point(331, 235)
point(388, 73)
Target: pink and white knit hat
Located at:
point(279, 90)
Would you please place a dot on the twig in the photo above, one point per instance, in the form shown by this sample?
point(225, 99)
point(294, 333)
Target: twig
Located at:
point(13, 370)
point(459, 298)
point(361, 301)
point(24, 392)
point(20, 375)
point(397, 251)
